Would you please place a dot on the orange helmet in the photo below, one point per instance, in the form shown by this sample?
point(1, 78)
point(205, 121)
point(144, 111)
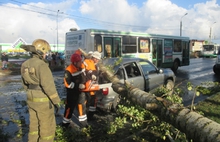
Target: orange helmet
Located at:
point(75, 58)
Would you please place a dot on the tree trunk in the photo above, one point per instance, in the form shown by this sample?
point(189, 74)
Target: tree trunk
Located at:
point(194, 125)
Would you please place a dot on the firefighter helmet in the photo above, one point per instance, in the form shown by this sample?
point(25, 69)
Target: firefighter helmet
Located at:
point(41, 46)
point(75, 58)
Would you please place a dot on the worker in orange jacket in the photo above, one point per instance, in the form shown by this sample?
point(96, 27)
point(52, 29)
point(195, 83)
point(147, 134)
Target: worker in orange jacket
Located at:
point(72, 82)
point(87, 97)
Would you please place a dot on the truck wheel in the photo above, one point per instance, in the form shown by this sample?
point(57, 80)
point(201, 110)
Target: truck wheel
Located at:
point(175, 66)
point(216, 70)
point(169, 85)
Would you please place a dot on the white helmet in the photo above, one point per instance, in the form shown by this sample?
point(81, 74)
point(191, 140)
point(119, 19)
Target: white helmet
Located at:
point(90, 52)
point(96, 55)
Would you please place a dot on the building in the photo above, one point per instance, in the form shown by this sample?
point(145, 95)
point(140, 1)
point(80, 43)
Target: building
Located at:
point(15, 47)
point(196, 47)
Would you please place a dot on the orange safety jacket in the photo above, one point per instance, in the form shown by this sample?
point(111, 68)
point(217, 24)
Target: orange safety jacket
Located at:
point(73, 77)
point(90, 69)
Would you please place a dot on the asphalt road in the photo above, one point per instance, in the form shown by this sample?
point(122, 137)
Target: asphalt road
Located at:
point(199, 71)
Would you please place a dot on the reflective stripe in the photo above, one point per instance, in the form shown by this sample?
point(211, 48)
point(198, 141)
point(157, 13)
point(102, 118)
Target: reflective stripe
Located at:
point(85, 64)
point(42, 99)
point(47, 138)
point(71, 86)
point(65, 120)
point(92, 108)
point(83, 70)
point(39, 99)
point(33, 133)
point(83, 117)
point(90, 71)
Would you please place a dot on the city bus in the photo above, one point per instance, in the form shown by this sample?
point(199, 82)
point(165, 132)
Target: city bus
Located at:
point(164, 51)
point(210, 50)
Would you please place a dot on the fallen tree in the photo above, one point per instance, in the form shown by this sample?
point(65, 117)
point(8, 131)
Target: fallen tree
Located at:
point(194, 125)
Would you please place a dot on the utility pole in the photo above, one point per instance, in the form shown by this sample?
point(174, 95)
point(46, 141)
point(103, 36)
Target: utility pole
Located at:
point(57, 28)
point(210, 34)
point(181, 23)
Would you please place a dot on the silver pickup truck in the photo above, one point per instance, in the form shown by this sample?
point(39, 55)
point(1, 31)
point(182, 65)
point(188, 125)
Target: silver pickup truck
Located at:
point(140, 73)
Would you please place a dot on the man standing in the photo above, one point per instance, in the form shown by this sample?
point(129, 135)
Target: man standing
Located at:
point(72, 82)
point(42, 96)
point(87, 96)
point(4, 59)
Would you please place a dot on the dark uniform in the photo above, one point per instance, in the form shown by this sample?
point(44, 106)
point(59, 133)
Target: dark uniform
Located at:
point(72, 79)
point(88, 94)
point(42, 95)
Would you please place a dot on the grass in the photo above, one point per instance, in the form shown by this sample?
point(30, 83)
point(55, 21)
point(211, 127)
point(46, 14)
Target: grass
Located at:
point(210, 107)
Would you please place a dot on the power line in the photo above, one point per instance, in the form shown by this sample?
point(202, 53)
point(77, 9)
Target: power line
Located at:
point(83, 19)
point(19, 8)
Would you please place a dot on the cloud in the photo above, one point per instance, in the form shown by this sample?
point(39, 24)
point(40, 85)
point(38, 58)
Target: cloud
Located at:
point(160, 16)
point(39, 20)
point(34, 20)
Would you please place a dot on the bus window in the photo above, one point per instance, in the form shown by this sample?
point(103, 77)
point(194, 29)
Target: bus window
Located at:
point(129, 49)
point(108, 50)
point(98, 43)
point(177, 46)
point(117, 47)
point(144, 45)
point(129, 44)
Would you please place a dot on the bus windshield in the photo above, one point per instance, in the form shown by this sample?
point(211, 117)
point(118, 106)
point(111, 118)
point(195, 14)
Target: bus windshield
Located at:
point(208, 47)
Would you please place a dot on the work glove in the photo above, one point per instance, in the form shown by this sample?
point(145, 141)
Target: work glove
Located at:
point(81, 86)
point(93, 77)
point(57, 108)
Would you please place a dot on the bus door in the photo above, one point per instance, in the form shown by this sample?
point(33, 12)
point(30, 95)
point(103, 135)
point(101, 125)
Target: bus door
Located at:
point(112, 47)
point(157, 52)
point(185, 53)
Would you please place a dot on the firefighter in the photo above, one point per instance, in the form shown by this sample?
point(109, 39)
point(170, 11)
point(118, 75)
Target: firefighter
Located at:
point(87, 97)
point(42, 96)
point(72, 80)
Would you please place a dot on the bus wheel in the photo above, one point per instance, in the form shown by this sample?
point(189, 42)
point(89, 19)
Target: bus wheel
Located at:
point(175, 66)
point(216, 70)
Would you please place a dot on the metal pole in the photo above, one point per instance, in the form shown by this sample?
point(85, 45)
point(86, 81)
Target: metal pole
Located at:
point(210, 34)
point(181, 23)
point(181, 27)
point(57, 28)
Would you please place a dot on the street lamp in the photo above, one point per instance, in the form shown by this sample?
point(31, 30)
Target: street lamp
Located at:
point(210, 34)
point(181, 23)
point(57, 27)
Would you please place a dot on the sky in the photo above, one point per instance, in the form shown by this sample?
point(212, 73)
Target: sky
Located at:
point(32, 19)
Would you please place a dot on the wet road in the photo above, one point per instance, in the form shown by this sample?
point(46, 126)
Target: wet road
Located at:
point(199, 71)
point(13, 109)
